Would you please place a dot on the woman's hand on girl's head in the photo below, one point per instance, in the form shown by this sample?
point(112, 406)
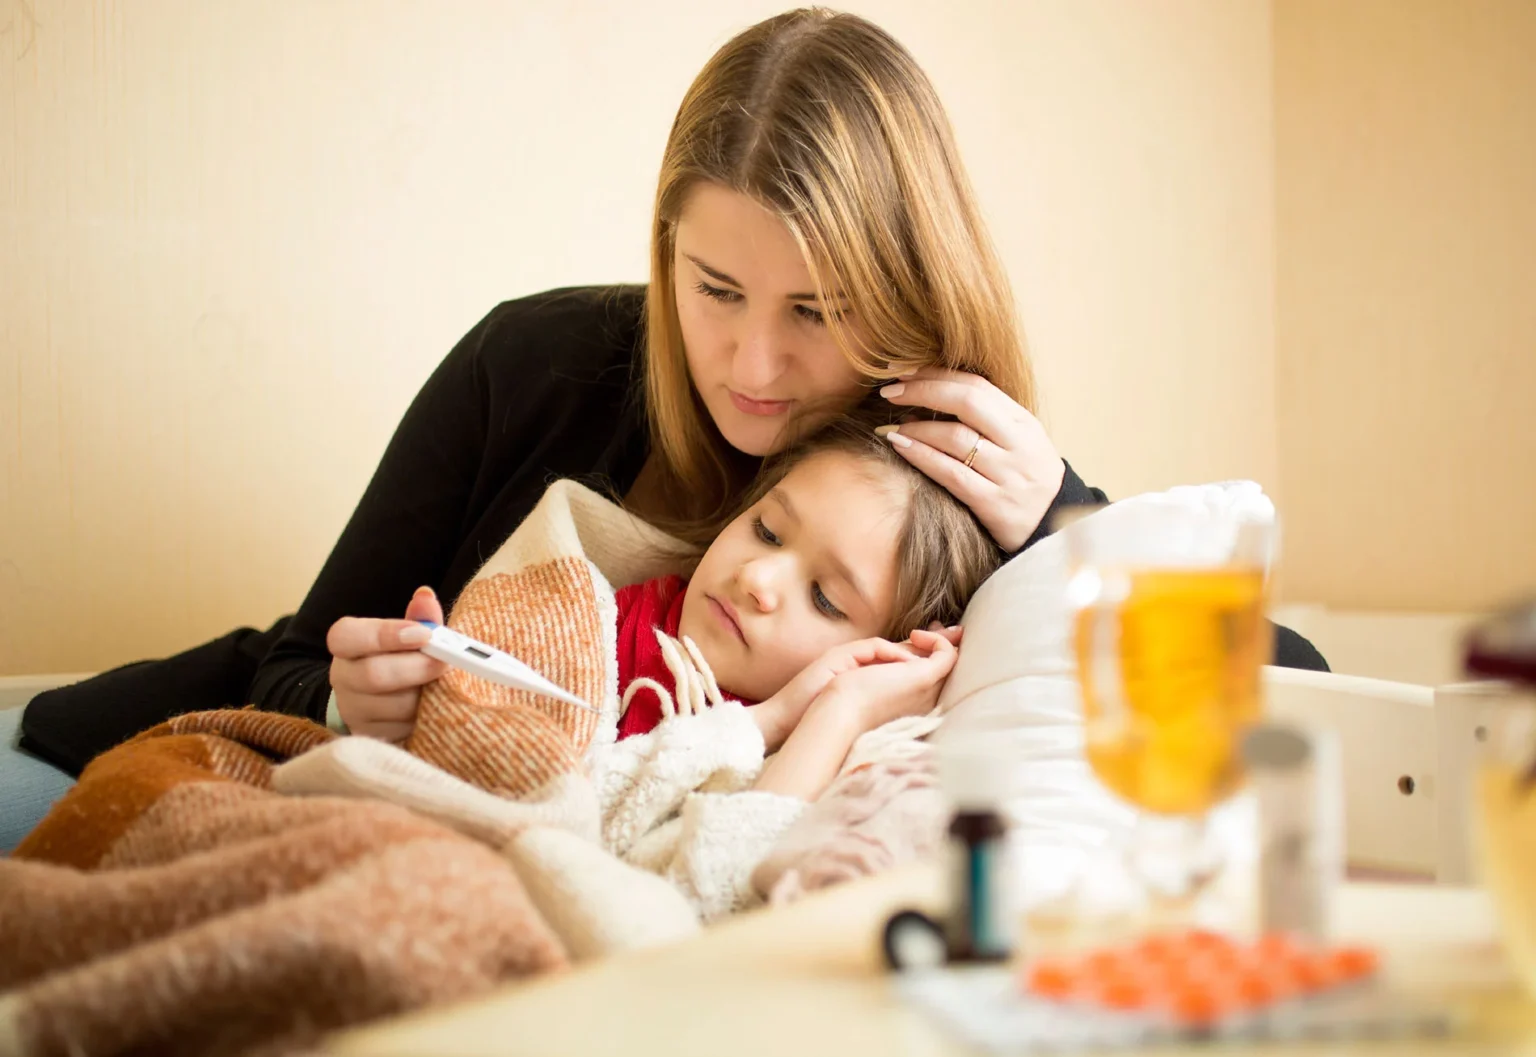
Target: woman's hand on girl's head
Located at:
point(377, 669)
point(1014, 472)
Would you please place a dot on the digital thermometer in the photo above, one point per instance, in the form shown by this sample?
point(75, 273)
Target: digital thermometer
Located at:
point(491, 664)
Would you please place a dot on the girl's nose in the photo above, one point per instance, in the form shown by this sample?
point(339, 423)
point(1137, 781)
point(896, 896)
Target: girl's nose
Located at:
point(758, 580)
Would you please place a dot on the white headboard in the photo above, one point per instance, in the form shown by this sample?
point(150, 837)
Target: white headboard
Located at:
point(1419, 648)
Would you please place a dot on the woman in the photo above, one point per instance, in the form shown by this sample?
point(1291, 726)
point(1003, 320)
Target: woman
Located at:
point(814, 235)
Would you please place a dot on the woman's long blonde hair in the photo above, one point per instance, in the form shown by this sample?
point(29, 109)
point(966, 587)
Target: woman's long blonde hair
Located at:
point(826, 121)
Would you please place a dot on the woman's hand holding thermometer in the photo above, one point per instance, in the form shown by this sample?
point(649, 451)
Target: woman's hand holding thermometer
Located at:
point(491, 664)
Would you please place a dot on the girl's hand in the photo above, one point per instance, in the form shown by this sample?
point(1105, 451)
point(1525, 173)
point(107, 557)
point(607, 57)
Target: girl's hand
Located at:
point(781, 713)
point(906, 686)
point(996, 460)
point(377, 669)
point(857, 701)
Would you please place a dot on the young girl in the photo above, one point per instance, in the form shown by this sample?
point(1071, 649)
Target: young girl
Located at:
point(816, 600)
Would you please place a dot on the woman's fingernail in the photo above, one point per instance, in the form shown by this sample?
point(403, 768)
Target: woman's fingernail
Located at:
point(424, 589)
point(415, 635)
point(881, 431)
point(893, 390)
point(908, 374)
point(897, 439)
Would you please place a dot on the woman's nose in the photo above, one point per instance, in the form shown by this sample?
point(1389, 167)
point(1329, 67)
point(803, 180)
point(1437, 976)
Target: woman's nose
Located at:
point(759, 360)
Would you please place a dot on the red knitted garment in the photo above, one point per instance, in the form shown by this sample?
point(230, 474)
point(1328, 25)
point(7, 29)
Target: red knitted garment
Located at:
point(655, 603)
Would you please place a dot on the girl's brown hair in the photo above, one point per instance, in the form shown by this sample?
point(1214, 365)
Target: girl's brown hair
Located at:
point(943, 552)
point(826, 121)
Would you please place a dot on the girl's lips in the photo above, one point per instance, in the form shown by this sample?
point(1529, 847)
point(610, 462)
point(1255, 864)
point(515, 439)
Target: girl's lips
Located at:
point(765, 408)
point(726, 616)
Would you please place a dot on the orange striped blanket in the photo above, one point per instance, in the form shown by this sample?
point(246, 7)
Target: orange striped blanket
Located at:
point(193, 894)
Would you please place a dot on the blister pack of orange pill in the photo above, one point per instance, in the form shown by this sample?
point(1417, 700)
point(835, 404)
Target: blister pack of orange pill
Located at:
point(1168, 988)
point(1199, 978)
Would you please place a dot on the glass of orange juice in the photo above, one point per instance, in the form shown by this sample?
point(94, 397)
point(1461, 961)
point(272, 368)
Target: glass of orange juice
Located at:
point(1168, 631)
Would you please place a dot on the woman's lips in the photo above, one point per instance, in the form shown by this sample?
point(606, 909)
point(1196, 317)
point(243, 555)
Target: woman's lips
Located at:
point(726, 615)
point(765, 408)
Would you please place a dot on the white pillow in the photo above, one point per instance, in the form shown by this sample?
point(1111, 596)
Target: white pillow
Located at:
point(1013, 693)
point(1016, 624)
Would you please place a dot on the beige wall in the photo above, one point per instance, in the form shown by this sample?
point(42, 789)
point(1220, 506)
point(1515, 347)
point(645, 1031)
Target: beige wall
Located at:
point(1124, 151)
point(1294, 242)
point(239, 234)
point(1406, 299)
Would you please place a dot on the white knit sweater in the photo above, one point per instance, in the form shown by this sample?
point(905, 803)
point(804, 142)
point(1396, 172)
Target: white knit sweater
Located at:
point(678, 801)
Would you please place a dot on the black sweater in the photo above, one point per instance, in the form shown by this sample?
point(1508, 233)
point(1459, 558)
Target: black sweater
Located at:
point(544, 387)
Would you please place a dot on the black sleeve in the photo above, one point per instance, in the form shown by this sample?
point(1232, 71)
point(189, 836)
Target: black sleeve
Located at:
point(1290, 649)
point(1073, 493)
point(1293, 651)
point(404, 532)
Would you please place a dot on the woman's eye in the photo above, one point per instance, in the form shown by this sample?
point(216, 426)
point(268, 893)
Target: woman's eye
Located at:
point(823, 603)
point(717, 293)
point(811, 315)
point(763, 532)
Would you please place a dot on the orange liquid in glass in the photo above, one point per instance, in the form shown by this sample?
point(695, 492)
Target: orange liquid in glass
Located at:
point(1170, 682)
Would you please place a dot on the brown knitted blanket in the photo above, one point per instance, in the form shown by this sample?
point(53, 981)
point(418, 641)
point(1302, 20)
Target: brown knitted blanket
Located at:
point(183, 899)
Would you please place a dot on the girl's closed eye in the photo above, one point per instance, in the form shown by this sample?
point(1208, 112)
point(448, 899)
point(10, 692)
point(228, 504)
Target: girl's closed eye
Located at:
point(824, 604)
point(764, 533)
